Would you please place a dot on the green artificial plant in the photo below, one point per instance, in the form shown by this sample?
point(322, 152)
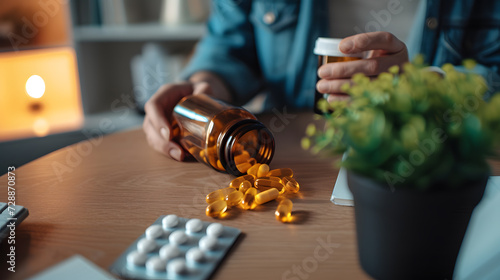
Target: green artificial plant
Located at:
point(414, 128)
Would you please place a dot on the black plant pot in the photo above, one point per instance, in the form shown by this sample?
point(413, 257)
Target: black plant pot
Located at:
point(409, 234)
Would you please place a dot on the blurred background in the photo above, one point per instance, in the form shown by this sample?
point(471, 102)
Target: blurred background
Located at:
point(122, 50)
point(125, 49)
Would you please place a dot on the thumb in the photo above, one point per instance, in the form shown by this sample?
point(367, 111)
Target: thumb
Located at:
point(175, 151)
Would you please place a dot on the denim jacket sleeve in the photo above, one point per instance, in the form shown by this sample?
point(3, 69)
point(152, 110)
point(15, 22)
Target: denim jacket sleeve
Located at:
point(228, 49)
point(459, 29)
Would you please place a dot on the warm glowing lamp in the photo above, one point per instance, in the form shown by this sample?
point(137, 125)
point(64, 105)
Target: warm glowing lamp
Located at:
point(35, 86)
point(39, 93)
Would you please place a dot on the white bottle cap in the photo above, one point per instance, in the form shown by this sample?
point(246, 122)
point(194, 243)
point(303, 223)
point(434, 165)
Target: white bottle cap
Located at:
point(330, 47)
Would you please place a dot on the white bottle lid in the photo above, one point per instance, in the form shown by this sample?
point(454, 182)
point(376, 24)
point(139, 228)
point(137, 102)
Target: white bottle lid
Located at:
point(330, 47)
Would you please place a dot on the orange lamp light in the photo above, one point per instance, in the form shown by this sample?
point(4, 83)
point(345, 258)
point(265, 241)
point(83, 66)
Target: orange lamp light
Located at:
point(39, 93)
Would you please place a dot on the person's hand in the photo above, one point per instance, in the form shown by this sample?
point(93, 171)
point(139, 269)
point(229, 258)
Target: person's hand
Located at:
point(385, 51)
point(158, 120)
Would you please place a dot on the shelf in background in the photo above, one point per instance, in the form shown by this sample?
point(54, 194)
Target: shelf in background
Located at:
point(139, 32)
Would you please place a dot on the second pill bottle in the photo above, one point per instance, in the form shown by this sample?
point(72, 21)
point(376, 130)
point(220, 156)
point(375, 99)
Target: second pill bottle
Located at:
point(226, 138)
point(327, 50)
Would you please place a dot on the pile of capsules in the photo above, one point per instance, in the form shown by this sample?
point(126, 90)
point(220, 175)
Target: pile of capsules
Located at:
point(258, 186)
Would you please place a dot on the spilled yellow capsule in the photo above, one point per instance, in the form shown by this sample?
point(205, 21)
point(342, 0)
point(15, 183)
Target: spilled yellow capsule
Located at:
point(291, 185)
point(236, 182)
point(217, 208)
point(243, 167)
point(283, 212)
point(254, 169)
point(281, 172)
point(263, 170)
point(264, 184)
point(273, 178)
point(244, 186)
point(234, 198)
point(266, 196)
point(248, 201)
point(241, 158)
point(219, 194)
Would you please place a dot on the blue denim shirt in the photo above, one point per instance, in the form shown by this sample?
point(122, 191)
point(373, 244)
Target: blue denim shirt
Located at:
point(264, 45)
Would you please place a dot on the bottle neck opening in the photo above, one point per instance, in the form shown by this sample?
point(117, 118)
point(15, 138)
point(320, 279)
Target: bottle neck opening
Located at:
point(248, 136)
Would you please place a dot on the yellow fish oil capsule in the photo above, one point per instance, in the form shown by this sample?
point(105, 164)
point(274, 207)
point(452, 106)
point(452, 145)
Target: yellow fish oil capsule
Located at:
point(234, 198)
point(216, 208)
point(290, 184)
point(284, 210)
point(237, 181)
point(219, 194)
point(263, 170)
point(264, 184)
point(244, 186)
point(241, 158)
point(272, 178)
point(254, 169)
point(266, 196)
point(243, 167)
point(281, 172)
point(248, 201)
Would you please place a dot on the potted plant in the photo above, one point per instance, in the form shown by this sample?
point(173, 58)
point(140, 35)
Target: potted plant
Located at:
point(416, 145)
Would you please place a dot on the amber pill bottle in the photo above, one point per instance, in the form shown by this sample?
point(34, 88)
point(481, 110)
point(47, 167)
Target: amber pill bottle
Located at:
point(226, 138)
point(327, 50)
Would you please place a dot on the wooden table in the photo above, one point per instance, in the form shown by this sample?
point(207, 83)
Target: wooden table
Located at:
point(96, 197)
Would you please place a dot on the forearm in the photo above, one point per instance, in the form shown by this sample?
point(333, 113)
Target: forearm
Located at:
point(218, 87)
point(226, 57)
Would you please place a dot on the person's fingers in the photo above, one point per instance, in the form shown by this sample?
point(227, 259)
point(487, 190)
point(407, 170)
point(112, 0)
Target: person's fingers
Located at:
point(155, 140)
point(159, 107)
point(157, 123)
point(160, 143)
point(331, 86)
point(371, 41)
point(370, 67)
point(175, 151)
point(338, 97)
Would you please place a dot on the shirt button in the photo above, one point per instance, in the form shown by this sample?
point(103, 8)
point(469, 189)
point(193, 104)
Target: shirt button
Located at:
point(269, 18)
point(431, 23)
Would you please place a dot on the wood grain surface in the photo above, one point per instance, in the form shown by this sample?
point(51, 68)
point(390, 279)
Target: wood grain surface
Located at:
point(96, 197)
